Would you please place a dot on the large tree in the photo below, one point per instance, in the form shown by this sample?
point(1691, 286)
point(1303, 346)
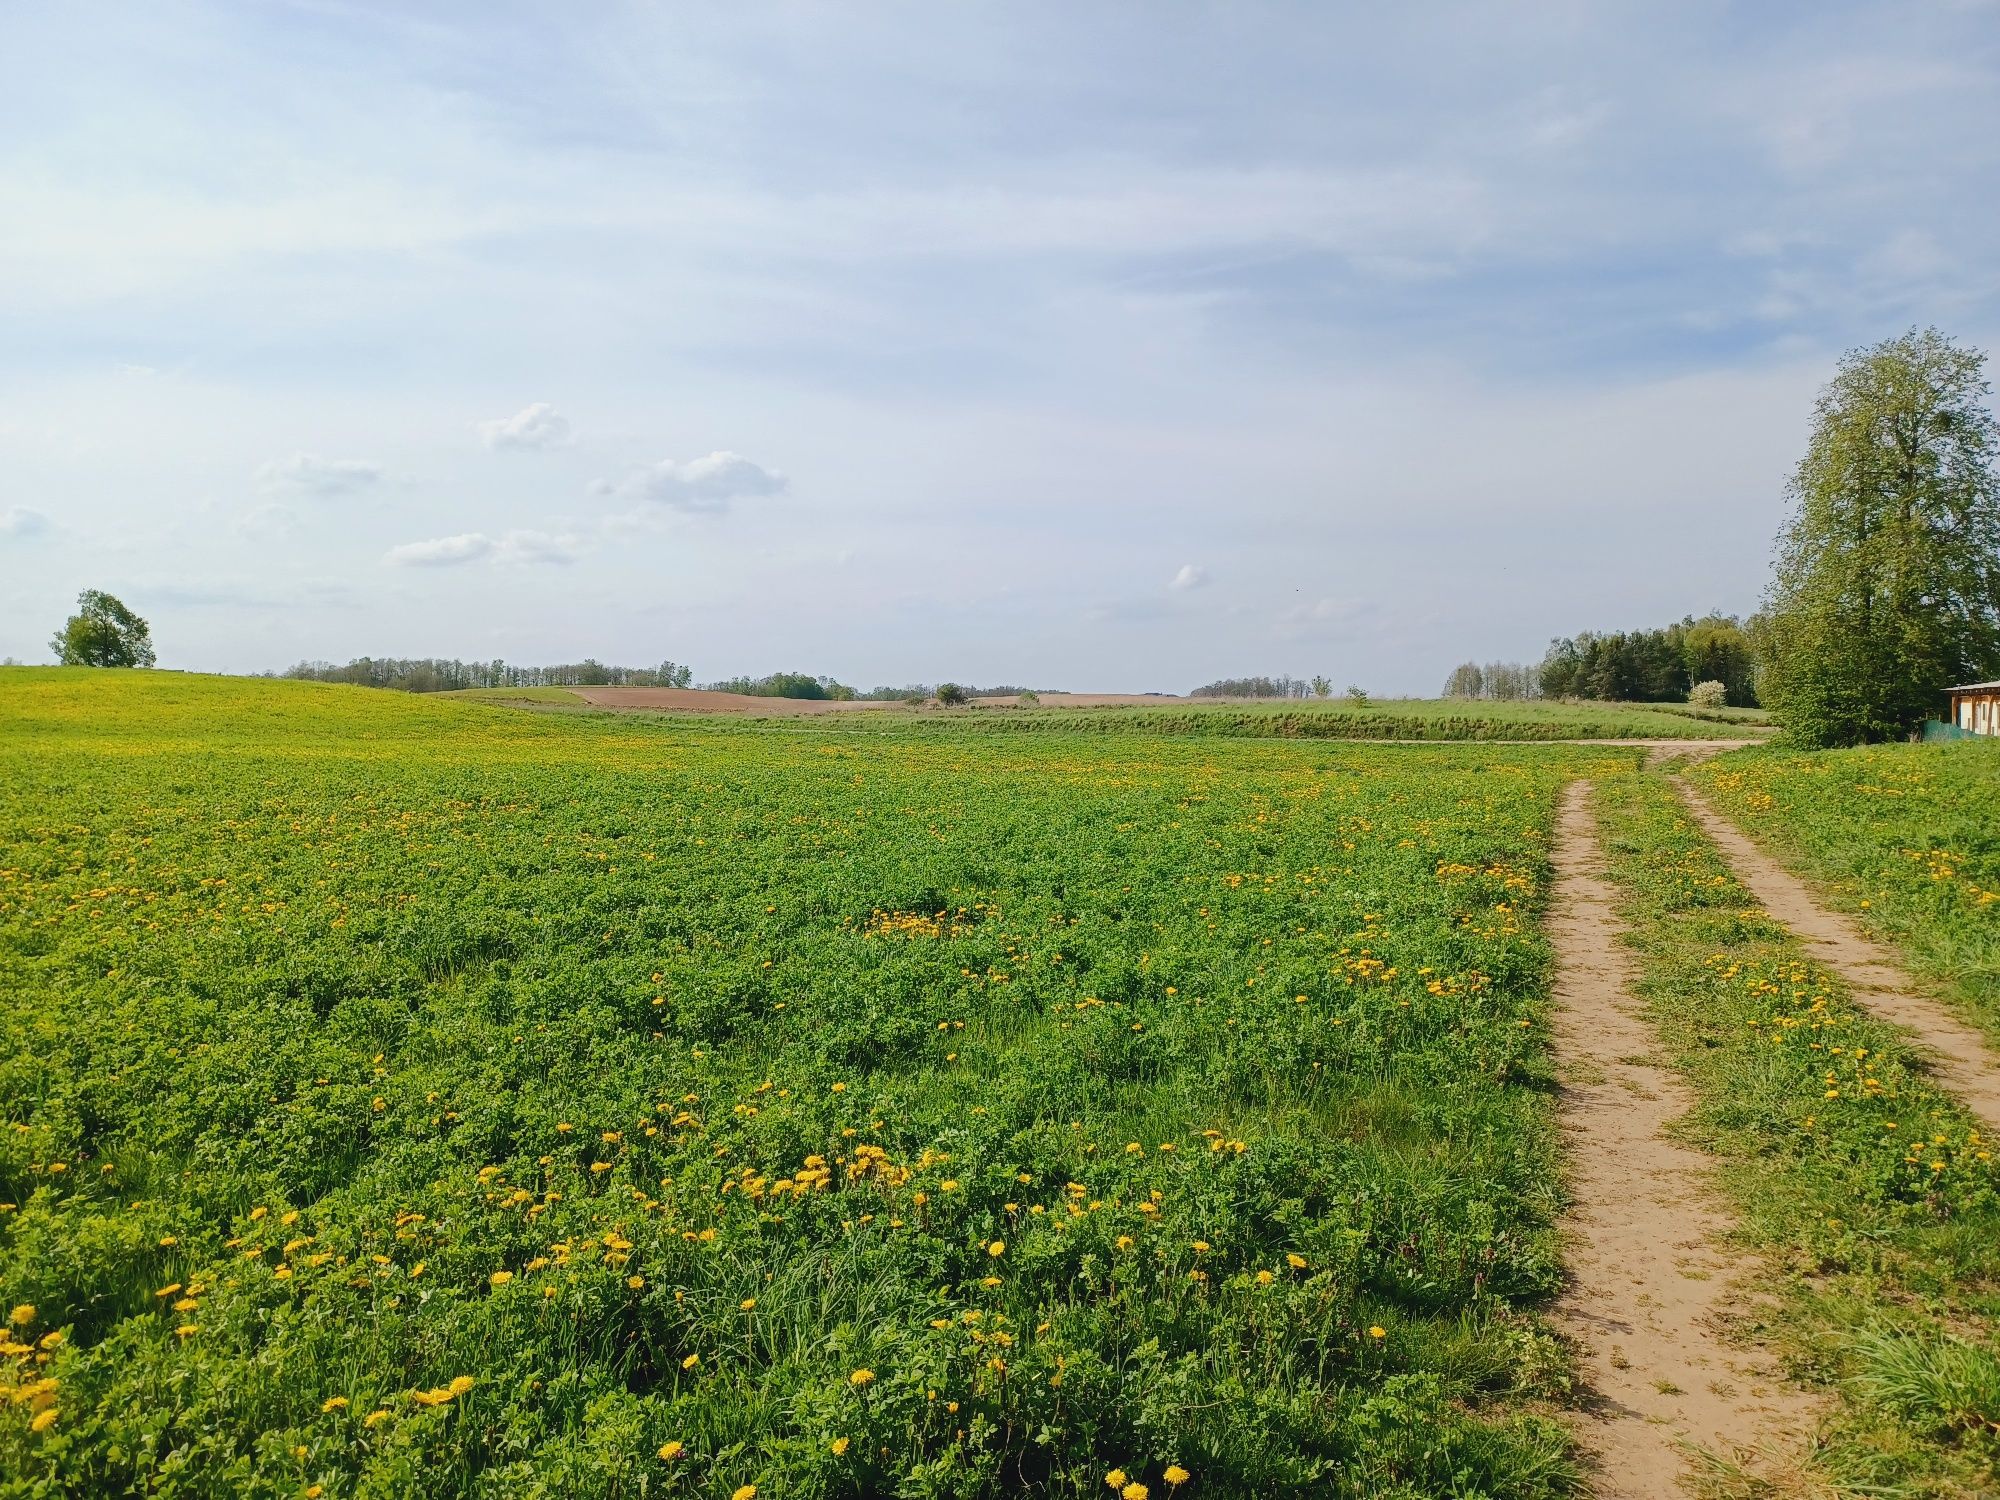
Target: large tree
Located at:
point(1887, 583)
point(103, 633)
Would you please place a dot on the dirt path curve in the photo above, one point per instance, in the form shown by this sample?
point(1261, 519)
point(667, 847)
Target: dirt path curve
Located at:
point(1958, 1054)
point(1650, 1284)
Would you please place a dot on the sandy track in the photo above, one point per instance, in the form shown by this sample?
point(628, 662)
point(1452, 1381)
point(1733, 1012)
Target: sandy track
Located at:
point(1958, 1055)
point(1650, 1286)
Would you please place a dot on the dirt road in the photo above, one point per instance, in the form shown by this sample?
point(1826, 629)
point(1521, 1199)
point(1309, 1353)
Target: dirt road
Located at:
point(1651, 1282)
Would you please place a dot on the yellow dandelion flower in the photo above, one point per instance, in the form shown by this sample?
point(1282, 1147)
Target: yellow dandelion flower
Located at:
point(671, 1451)
point(1175, 1476)
point(997, 1249)
point(500, 1278)
point(691, 1361)
point(334, 1403)
point(44, 1420)
point(860, 1378)
point(23, 1314)
point(840, 1447)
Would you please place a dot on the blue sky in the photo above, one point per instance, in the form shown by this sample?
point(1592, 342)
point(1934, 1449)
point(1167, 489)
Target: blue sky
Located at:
point(1113, 346)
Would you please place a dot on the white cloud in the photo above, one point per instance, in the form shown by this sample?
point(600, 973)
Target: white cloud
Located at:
point(309, 474)
point(1189, 577)
point(441, 552)
point(536, 426)
point(701, 484)
point(22, 521)
point(472, 546)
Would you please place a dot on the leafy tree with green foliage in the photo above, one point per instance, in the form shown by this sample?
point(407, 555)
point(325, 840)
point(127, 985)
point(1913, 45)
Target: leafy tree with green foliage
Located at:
point(1887, 581)
point(103, 633)
point(950, 694)
point(1646, 666)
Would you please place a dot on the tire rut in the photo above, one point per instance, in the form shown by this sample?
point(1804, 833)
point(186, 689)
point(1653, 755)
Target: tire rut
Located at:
point(1651, 1284)
point(1957, 1054)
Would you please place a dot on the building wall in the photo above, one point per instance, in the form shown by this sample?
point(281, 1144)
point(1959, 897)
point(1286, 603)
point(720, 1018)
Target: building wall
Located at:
point(1979, 714)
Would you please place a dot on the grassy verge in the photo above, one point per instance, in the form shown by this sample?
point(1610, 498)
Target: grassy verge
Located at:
point(1867, 1187)
point(1906, 838)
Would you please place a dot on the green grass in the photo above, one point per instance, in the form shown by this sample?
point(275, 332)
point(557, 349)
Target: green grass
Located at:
point(1866, 1188)
point(1906, 838)
point(653, 1079)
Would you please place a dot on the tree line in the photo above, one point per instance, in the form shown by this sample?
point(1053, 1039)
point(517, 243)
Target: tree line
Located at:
point(1265, 687)
point(1501, 680)
point(1654, 666)
point(437, 674)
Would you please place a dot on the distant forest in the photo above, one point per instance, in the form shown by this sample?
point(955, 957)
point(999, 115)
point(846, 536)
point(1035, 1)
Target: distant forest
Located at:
point(1626, 666)
point(1654, 666)
point(436, 674)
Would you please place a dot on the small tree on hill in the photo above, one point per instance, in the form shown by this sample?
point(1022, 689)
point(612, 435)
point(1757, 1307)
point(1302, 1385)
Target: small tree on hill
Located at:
point(1709, 694)
point(1887, 584)
point(103, 633)
point(950, 694)
point(1467, 680)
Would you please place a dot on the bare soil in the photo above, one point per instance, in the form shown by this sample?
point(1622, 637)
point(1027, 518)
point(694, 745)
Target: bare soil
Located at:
point(1653, 1289)
point(1957, 1054)
point(701, 701)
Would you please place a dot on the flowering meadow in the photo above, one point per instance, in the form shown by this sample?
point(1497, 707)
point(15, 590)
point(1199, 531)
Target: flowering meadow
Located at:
point(405, 1097)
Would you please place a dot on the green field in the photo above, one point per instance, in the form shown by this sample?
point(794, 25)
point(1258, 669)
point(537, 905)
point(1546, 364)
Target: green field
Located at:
point(411, 1097)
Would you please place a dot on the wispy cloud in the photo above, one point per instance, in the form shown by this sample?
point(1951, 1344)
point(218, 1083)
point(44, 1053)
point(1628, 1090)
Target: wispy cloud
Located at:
point(318, 478)
point(1189, 578)
point(477, 546)
point(536, 426)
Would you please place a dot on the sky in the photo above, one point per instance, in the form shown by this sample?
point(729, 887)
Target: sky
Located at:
point(1100, 346)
